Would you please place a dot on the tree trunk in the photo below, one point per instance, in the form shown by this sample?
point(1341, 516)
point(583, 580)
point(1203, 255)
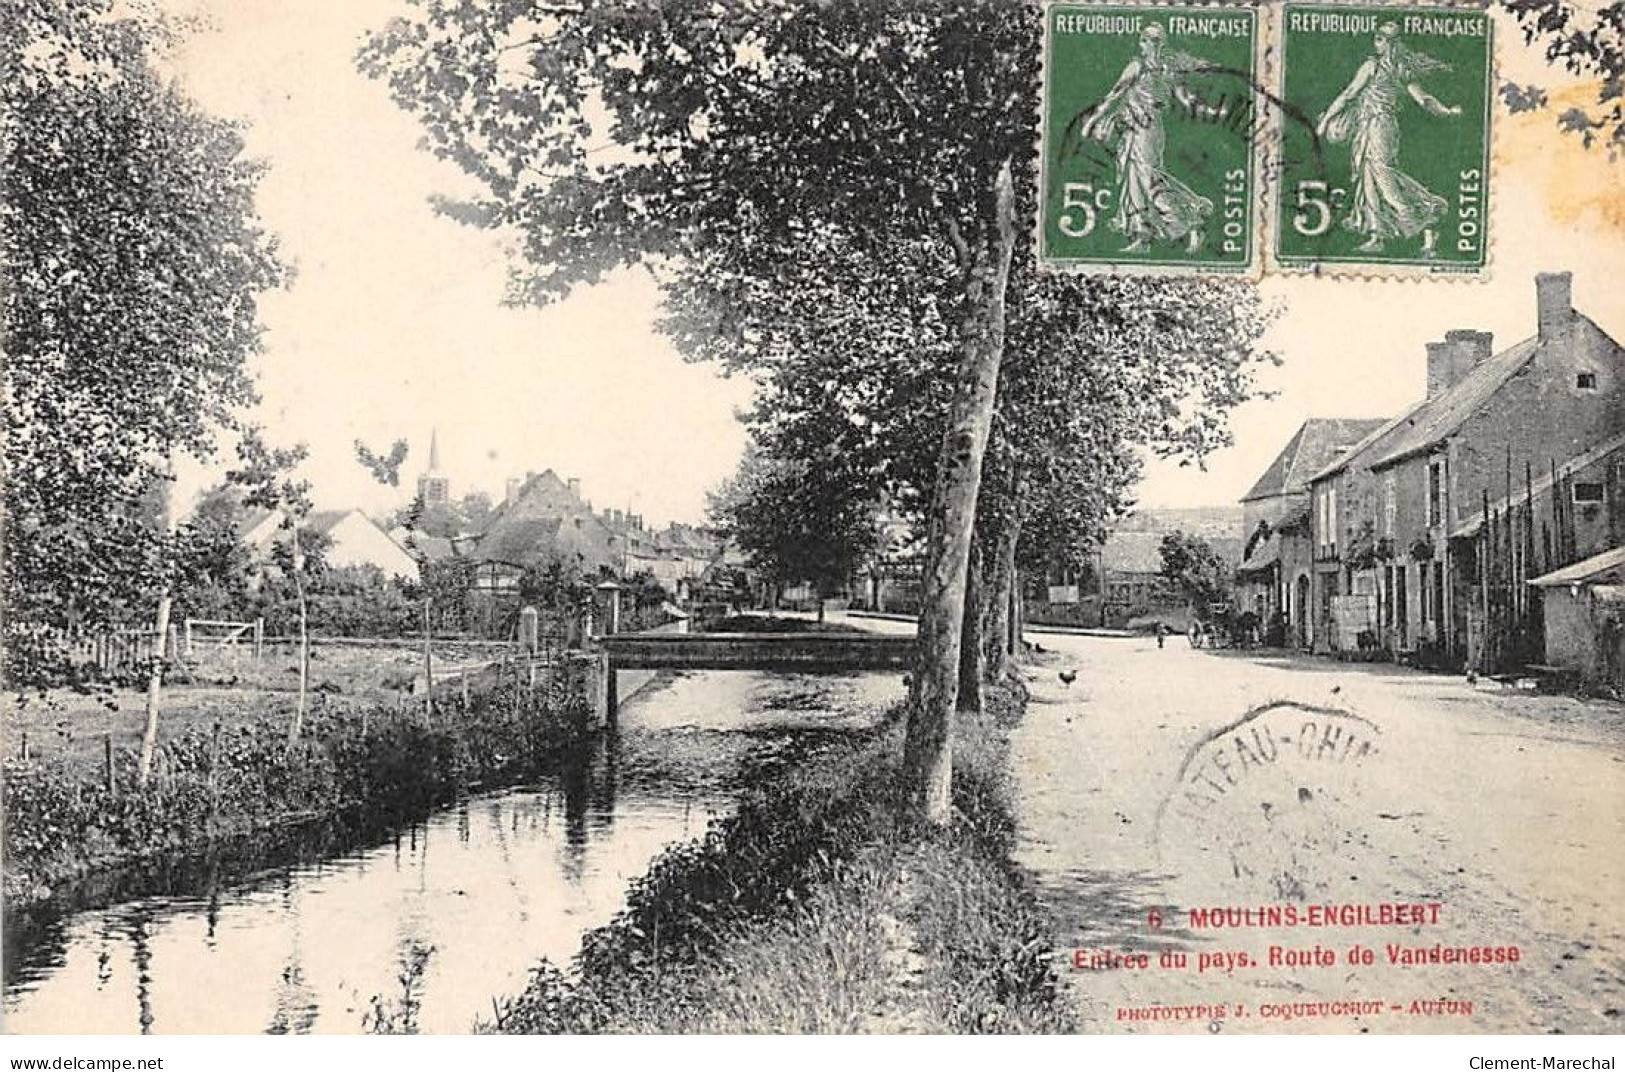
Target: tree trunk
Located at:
point(428, 663)
point(1012, 640)
point(1018, 619)
point(296, 727)
point(160, 633)
point(1001, 604)
point(972, 662)
point(928, 750)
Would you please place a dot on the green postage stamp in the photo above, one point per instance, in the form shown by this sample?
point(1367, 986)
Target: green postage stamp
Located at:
point(1150, 138)
point(1383, 155)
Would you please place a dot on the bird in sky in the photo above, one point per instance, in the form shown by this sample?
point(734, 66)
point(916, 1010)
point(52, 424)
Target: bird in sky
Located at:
point(1067, 677)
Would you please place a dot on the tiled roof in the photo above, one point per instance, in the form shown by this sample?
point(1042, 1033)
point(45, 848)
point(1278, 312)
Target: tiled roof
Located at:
point(1434, 420)
point(324, 521)
point(1317, 443)
point(1610, 565)
point(1132, 552)
point(518, 540)
point(1372, 445)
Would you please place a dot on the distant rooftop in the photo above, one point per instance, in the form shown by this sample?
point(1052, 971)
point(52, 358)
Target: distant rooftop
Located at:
point(1317, 443)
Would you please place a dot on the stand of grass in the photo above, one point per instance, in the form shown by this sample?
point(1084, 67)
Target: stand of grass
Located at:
point(62, 825)
point(814, 909)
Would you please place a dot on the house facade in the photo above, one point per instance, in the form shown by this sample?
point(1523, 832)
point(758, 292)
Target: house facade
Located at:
point(1275, 577)
point(1428, 531)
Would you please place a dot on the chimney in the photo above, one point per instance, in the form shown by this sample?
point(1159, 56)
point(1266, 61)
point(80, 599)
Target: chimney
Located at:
point(1554, 303)
point(1450, 361)
point(574, 484)
point(512, 491)
point(1477, 345)
point(1441, 361)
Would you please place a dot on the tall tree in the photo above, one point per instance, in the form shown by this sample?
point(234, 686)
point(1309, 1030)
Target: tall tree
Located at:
point(133, 259)
point(798, 518)
point(746, 126)
point(266, 476)
point(1193, 568)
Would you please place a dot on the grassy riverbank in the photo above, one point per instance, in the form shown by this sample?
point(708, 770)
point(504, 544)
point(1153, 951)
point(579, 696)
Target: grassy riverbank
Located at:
point(813, 909)
point(238, 776)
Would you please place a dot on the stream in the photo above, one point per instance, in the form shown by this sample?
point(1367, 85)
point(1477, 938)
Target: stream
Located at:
point(315, 932)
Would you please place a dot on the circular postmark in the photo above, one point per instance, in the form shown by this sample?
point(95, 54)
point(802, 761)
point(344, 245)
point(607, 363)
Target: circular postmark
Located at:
point(1269, 805)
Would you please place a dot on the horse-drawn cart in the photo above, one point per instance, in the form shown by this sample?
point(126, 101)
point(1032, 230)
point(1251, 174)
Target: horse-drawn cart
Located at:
point(1219, 625)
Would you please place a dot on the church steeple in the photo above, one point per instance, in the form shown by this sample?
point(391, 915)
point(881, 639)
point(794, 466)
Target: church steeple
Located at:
point(433, 486)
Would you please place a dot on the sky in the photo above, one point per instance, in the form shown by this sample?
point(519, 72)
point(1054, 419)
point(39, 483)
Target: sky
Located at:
point(392, 326)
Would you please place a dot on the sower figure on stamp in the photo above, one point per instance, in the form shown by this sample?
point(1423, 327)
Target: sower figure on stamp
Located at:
point(1152, 205)
point(1387, 203)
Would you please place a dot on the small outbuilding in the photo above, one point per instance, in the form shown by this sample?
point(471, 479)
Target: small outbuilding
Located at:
point(1583, 609)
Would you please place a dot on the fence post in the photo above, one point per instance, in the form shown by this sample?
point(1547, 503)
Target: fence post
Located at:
point(214, 770)
point(25, 748)
point(462, 681)
point(259, 638)
point(107, 761)
point(188, 637)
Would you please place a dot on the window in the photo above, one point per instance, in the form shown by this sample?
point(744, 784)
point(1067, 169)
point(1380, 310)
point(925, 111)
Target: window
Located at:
point(1390, 503)
point(1587, 493)
point(1422, 591)
point(1435, 493)
point(1586, 381)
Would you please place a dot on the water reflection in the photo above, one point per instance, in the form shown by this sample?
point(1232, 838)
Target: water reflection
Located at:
point(421, 927)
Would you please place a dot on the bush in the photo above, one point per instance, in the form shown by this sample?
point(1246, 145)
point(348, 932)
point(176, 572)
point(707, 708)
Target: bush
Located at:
point(814, 908)
point(243, 777)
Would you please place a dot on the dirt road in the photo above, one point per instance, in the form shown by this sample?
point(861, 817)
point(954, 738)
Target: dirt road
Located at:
point(1274, 811)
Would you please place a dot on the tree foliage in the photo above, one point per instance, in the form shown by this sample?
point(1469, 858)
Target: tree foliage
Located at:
point(133, 259)
point(1586, 42)
point(1191, 565)
point(799, 520)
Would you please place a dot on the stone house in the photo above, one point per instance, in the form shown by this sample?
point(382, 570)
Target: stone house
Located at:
point(1277, 561)
point(1385, 525)
point(546, 519)
point(1351, 537)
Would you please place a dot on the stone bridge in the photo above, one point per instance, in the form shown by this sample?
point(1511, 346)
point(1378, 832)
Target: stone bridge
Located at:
point(793, 652)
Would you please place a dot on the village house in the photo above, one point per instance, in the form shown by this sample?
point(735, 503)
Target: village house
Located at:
point(1274, 579)
point(1122, 583)
point(1400, 542)
point(544, 518)
point(353, 539)
point(1350, 535)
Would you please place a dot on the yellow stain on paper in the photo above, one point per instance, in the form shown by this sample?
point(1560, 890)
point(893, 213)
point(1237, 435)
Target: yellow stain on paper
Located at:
point(1578, 185)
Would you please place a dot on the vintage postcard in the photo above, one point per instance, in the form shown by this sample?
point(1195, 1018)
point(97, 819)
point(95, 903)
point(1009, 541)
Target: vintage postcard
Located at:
point(612, 518)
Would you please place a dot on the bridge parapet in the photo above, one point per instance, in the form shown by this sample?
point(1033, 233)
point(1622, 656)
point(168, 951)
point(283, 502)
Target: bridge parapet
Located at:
point(758, 651)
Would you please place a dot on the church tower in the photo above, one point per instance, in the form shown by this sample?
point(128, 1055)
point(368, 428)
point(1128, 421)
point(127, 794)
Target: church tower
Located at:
point(434, 488)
